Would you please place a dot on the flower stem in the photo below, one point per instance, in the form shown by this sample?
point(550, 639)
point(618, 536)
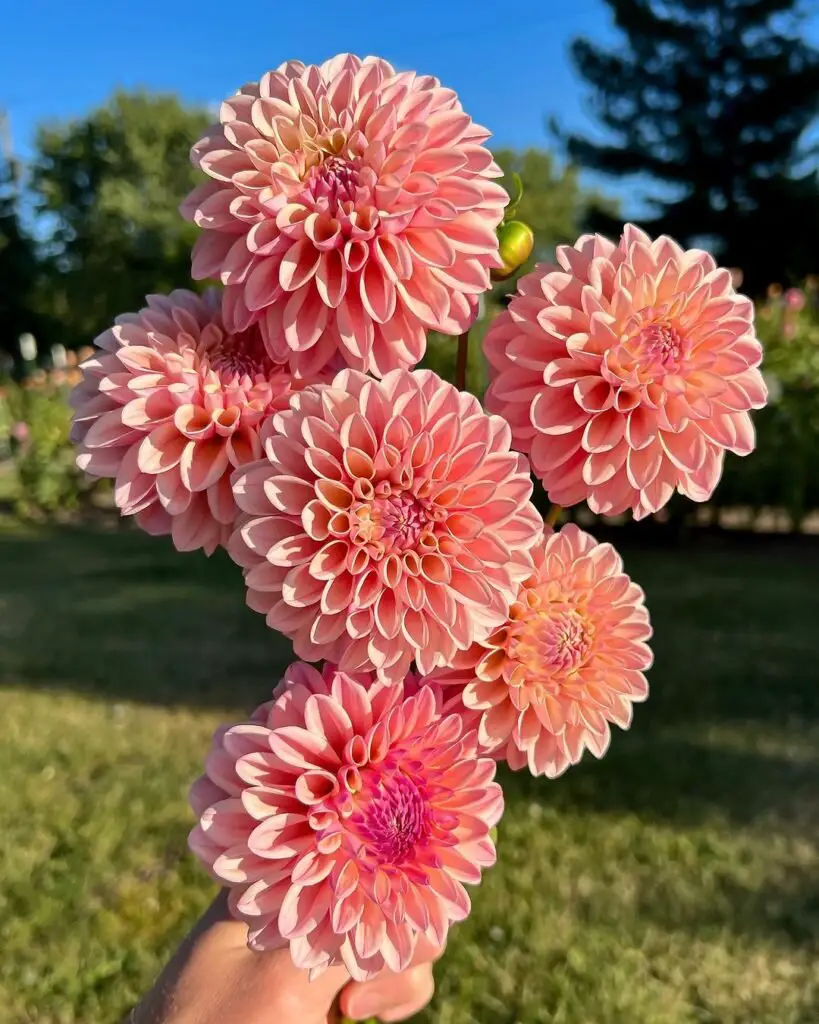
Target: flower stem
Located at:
point(463, 359)
point(554, 515)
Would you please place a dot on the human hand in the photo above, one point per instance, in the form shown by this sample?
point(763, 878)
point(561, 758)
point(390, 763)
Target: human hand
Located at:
point(213, 978)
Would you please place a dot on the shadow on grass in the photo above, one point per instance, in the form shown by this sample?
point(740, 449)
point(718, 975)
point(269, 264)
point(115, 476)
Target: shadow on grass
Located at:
point(117, 615)
point(120, 616)
point(784, 910)
point(678, 781)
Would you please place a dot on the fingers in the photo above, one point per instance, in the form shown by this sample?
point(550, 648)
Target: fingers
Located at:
point(391, 997)
point(282, 987)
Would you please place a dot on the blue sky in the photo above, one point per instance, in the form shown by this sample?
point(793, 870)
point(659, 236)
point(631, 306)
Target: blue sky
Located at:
point(58, 60)
point(61, 59)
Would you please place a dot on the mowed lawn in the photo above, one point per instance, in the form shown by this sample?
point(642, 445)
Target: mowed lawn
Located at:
point(675, 882)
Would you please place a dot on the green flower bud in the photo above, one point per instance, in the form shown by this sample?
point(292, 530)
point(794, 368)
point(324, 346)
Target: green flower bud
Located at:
point(516, 243)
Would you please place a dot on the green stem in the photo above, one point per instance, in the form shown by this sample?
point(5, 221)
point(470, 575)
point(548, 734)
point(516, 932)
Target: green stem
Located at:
point(463, 361)
point(554, 515)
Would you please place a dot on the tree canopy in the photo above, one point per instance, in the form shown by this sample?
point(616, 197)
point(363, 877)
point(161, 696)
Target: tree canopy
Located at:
point(107, 187)
point(712, 98)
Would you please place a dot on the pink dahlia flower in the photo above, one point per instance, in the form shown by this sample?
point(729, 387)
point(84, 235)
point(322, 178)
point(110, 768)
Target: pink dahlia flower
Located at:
point(795, 299)
point(169, 405)
point(627, 372)
point(568, 661)
point(345, 818)
point(352, 208)
point(387, 521)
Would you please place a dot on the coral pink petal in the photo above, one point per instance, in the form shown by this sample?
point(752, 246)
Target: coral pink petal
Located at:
point(350, 208)
point(568, 661)
point(625, 372)
point(399, 514)
point(169, 406)
point(350, 863)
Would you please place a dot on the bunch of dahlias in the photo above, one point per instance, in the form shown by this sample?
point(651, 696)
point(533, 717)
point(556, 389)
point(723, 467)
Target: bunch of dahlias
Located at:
point(382, 518)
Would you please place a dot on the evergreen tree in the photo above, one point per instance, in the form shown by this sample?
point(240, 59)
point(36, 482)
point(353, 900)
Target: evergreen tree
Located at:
point(18, 264)
point(712, 98)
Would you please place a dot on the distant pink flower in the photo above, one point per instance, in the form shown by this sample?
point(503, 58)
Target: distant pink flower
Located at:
point(389, 521)
point(568, 661)
point(168, 407)
point(795, 299)
point(626, 372)
point(20, 432)
point(345, 817)
point(352, 209)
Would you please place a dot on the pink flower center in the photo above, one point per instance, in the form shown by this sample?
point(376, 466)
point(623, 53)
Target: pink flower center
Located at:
point(560, 640)
point(334, 181)
point(393, 817)
point(237, 355)
point(657, 348)
point(394, 522)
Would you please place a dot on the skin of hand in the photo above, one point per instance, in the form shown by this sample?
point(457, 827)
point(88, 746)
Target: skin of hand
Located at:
point(213, 978)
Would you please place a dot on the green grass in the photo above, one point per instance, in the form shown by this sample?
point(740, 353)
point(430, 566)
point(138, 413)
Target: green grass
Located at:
point(676, 882)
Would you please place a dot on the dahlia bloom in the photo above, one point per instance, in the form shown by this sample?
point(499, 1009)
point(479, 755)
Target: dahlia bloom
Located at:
point(169, 405)
point(344, 818)
point(352, 208)
point(627, 372)
point(387, 521)
point(568, 661)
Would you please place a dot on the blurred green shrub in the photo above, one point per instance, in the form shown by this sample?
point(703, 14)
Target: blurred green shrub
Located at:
point(784, 470)
point(35, 421)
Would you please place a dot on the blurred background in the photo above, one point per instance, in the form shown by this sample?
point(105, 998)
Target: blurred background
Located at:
point(676, 882)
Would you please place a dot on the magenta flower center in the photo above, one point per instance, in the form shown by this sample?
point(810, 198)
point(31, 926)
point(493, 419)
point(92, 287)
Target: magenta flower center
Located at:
point(394, 817)
point(560, 640)
point(237, 355)
point(334, 181)
point(394, 522)
point(658, 347)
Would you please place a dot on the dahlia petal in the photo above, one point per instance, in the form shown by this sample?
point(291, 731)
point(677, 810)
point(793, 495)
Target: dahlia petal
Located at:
point(304, 319)
point(556, 413)
point(155, 521)
point(194, 527)
point(303, 909)
point(643, 465)
point(422, 170)
point(298, 265)
point(526, 704)
point(438, 926)
point(700, 485)
point(641, 427)
point(496, 724)
point(238, 865)
point(281, 873)
point(382, 607)
point(264, 897)
point(331, 278)
point(347, 880)
point(604, 431)
point(636, 338)
point(301, 749)
point(378, 294)
point(262, 286)
point(191, 412)
point(369, 933)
